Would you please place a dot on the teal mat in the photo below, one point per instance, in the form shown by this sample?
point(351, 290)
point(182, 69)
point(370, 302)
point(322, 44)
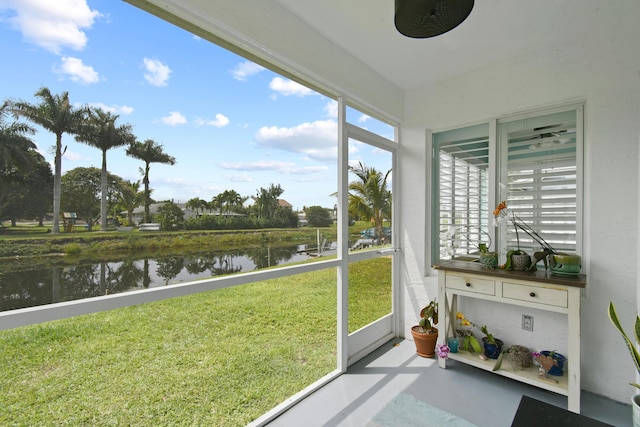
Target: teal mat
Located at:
point(407, 411)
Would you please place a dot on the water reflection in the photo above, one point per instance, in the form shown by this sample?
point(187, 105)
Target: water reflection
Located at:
point(34, 285)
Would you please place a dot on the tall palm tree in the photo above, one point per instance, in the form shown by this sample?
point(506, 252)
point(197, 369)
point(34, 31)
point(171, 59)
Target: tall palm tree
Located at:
point(56, 114)
point(149, 152)
point(369, 196)
point(15, 145)
point(100, 131)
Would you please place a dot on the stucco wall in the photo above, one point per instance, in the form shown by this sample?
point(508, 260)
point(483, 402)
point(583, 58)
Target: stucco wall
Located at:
point(605, 74)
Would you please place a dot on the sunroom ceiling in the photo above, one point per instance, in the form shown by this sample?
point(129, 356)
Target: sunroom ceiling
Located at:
point(496, 30)
point(357, 35)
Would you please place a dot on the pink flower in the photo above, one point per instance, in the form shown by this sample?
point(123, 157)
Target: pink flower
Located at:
point(443, 351)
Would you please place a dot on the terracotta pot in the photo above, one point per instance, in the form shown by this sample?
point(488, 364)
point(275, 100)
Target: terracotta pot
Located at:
point(425, 343)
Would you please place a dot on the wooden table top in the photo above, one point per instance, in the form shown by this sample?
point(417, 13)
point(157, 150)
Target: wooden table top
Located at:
point(540, 275)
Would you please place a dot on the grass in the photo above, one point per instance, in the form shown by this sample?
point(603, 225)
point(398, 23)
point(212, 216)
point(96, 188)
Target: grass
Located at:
point(220, 358)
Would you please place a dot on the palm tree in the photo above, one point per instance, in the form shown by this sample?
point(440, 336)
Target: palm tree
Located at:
point(149, 152)
point(130, 198)
point(266, 201)
point(216, 203)
point(56, 114)
point(15, 146)
point(100, 131)
point(196, 204)
point(230, 200)
point(369, 196)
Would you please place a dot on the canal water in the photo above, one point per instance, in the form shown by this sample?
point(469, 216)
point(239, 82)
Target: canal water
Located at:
point(57, 280)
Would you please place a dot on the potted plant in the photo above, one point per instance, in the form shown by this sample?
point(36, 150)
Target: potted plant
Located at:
point(519, 356)
point(452, 237)
point(424, 333)
point(517, 259)
point(635, 356)
point(488, 259)
point(492, 345)
point(551, 361)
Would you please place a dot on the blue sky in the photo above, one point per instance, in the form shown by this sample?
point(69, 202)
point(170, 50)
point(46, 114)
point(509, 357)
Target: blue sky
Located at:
point(229, 123)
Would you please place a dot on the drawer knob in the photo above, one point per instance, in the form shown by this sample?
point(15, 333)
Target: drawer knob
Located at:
point(468, 284)
point(532, 294)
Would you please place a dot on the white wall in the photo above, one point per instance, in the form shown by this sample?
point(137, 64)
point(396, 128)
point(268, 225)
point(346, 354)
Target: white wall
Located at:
point(604, 72)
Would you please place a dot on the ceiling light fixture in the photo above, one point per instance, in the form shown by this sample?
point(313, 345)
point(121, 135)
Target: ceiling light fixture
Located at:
point(422, 19)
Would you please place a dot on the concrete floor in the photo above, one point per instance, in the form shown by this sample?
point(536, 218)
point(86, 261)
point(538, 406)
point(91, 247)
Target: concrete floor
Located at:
point(480, 397)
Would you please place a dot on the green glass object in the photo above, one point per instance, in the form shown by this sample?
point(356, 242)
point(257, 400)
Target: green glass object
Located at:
point(565, 264)
point(489, 259)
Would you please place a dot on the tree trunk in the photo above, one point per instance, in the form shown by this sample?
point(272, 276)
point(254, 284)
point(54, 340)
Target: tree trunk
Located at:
point(57, 185)
point(103, 190)
point(147, 196)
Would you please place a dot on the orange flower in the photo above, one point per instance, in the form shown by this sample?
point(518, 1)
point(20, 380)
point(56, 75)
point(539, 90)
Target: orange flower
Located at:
point(502, 206)
point(459, 315)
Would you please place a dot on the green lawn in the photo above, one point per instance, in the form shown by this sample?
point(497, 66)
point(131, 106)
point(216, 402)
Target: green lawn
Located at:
point(220, 358)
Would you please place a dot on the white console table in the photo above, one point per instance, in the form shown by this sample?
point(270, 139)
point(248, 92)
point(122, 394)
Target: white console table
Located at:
point(539, 289)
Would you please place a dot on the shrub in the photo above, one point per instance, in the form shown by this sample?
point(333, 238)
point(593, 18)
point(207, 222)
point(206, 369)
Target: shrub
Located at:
point(72, 248)
point(317, 216)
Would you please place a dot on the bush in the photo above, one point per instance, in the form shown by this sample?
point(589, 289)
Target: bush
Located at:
point(170, 217)
point(72, 248)
point(317, 216)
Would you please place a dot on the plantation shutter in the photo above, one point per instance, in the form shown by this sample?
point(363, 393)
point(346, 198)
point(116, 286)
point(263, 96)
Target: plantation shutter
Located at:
point(541, 179)
point(461, 165)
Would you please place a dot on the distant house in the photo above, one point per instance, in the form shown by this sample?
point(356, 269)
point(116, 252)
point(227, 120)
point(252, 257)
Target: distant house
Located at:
point(284, 204)
point(138, 213)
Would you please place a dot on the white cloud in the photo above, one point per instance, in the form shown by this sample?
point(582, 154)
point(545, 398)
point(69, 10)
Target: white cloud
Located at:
point(174, 118)
point(77, 71)
point(363, 118)
point(114, 109)
point(73, 156)
point(246, 69)
point(306, 170)
point(271, 166)
point(156, 73)
point(316, 140)
point(288, 87)
point(53, 25)
point(332, 109)
point(259, 165)
point(239, 178)
point(220, 121)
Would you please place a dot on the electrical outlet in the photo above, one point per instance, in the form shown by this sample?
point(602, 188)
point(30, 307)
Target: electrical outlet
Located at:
point(527, 322)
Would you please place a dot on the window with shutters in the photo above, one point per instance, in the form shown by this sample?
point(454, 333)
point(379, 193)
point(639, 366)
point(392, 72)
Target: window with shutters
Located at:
point(537, 167)
point(461, 157)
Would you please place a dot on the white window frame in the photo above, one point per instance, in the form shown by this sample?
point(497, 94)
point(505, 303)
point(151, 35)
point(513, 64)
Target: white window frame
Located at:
point(350, 348)
point(497, 168)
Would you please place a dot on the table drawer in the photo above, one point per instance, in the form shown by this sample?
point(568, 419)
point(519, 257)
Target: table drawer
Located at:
point(471, 284)
point(536, 294)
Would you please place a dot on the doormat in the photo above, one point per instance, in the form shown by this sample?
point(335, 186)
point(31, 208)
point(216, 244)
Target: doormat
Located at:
point(407, 411)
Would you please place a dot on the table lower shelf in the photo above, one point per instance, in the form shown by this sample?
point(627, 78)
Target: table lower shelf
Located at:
point(528, 376)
